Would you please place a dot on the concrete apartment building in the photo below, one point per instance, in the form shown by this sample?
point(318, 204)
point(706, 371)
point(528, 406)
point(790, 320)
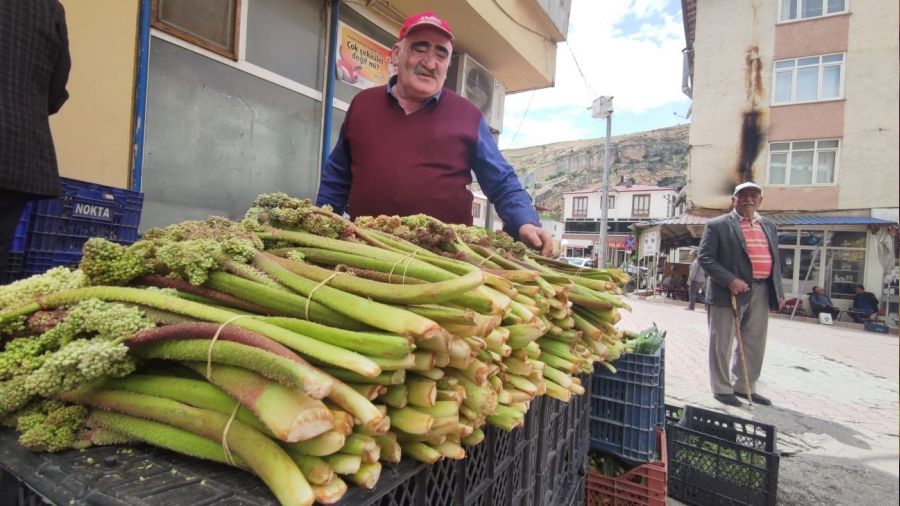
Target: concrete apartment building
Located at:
point(628, 204)
point(801, 96)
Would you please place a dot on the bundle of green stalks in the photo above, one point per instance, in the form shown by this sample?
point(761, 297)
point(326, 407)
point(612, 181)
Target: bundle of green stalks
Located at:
point(300, 346)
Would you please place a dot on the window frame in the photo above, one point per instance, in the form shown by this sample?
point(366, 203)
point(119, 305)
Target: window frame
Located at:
point(175, 31)
point(815, 162)
point(611, 204)
point(634, 209)
point(779, 21)
point(794, 71)
point(476, 210)
point(579, 211)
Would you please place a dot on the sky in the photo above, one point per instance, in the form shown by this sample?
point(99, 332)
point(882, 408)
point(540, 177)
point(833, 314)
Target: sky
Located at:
point(630, 49)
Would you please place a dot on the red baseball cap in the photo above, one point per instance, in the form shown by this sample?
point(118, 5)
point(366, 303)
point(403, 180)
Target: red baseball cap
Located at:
point(425, 18)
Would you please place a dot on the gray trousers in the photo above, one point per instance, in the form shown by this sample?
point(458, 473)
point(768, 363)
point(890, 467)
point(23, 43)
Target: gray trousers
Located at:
point(724, 359)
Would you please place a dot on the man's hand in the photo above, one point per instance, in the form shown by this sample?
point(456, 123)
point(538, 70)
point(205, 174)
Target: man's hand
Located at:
point(537, 238)
point(738, 285)
point(781, 304)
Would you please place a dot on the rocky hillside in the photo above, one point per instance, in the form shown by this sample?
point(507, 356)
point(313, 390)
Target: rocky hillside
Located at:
point(656, 157)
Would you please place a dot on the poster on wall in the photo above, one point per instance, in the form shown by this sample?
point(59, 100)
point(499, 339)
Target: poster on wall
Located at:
point(362, 62)
point(649, 242)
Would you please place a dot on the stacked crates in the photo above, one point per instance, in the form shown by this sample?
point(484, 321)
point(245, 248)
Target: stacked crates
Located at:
point(627, 406)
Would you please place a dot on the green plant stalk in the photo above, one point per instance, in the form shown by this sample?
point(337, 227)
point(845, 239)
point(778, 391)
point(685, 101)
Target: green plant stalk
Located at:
point(261, 454)
point(450, 395)
point(162, 435)
point(522, 384)
point(330, 493)
point(249, 273)
point(518, 366)
point(370, 391)
point(410, 420)
point(451, 450)
point(367, 476)
point(343, 421)
point(558, 392)
point(521, 335)
point(560, 349)
point(366, 343)
point(414, 269)
point(604, 295)
point(479, 399)
point(316, 470)
point(344, 463)
point(376, 314)
point(357, 405)
point(506, 418)
point(566, 323)
point(477, 372)
point(364, 446)
point(421, 452)
point(385, 378)
point(440, 409)
point(320, 446)
point(288, 413)
point(396, 396)
point(559, 363)
point(197, 393)
point(476, 437)
point(283, 370)
point(589, 302)
point(283, 301)
point(388, 293)
point(424, 361)
point(390, 449)
point(444, 314)
point(394, 364)
point(422, 393)
point(433, 374)
point(308, 346)
point(559, 377)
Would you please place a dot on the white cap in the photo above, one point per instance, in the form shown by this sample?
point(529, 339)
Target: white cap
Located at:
point(744, 186)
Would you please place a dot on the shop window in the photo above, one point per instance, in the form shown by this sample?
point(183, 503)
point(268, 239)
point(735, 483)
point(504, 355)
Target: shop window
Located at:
point(845, 263)
point(210, 24)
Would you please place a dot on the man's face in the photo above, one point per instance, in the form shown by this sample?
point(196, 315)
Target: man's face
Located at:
point(747, 202)
point(422, 58)
point(820, 291)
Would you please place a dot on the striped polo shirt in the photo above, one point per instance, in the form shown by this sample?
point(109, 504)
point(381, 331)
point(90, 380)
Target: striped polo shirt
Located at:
point(757, 246)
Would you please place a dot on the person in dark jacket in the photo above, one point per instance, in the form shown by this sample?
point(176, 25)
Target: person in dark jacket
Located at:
point(739, 252)
point(864, 305)
point(34, 69)
point(822, 303)
point(410, 146)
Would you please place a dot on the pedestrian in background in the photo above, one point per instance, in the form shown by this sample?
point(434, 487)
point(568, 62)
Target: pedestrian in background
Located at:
point(34, 69)
point(696, 280)
point(739, 252)
point(819, 302)
point(864, 305)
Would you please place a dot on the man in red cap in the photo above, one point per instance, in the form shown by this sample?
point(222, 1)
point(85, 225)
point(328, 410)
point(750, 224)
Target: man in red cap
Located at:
point(409, 147)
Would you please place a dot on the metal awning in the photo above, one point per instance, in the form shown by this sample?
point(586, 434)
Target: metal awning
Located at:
point(814, 219)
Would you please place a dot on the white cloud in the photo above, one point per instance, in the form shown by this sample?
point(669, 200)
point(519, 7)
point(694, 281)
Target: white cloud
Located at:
point(638, 62)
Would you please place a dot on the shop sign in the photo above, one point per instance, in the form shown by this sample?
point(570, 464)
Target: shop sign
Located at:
point(361, 61)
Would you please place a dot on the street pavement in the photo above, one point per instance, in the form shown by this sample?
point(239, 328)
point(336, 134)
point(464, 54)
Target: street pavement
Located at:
point(835, 395)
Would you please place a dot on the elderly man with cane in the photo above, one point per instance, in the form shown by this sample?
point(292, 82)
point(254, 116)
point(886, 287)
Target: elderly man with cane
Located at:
point(739, 252)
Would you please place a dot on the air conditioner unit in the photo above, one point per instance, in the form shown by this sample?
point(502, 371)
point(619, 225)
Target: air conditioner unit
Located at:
point(470, 79)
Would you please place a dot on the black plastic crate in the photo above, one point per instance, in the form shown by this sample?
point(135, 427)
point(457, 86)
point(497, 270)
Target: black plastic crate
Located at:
point(15, 268)
point(715, 458)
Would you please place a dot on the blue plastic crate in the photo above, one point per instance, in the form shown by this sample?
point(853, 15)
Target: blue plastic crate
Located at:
point(15, 268)
point(627, 406)
point(59, 227)
point(21, 234)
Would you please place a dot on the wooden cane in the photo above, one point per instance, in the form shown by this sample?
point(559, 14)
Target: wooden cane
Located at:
point(737, 330)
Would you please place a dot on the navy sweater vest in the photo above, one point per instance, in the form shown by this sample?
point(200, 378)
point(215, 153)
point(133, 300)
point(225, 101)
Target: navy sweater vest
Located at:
point(407, 164)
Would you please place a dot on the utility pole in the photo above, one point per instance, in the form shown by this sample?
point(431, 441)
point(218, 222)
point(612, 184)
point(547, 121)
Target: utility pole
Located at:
point(602, 109)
